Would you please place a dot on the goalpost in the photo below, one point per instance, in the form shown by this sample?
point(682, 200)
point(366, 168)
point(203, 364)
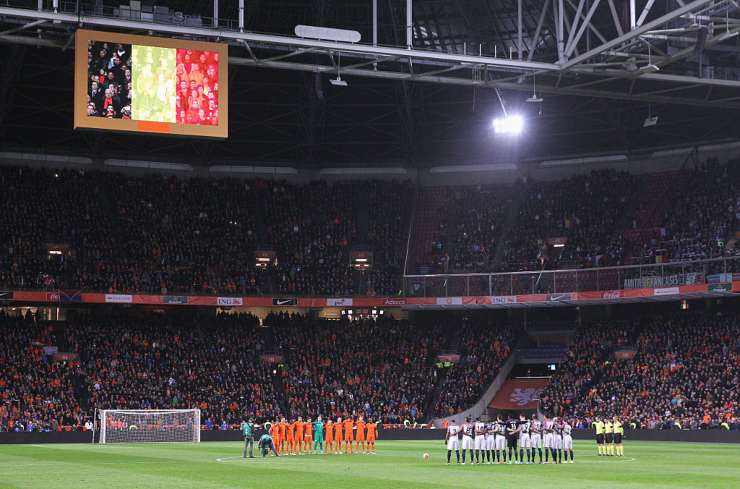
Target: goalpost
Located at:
point(149, 425)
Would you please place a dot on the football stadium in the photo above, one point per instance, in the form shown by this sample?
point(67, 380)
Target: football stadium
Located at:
point(369, 244)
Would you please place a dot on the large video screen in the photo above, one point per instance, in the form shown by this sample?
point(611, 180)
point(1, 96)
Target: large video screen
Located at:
point(148, 84)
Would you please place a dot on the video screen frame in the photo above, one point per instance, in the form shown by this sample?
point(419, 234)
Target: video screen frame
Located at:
point(82, 121)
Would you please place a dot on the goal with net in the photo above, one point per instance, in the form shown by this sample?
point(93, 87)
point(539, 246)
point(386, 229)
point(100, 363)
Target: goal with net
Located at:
point(149, 425)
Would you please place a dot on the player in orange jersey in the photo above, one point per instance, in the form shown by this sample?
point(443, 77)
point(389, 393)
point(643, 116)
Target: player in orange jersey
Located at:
point(372, 431)
point(283, 436)
point(328, 448)
point(299, 425)
point(308, 436)
point(338, 436)
point(348, 435)
point(275, 434)
point(290, 438)
point(360, 435)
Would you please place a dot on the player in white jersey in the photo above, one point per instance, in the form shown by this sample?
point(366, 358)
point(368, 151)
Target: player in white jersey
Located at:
point(500, 439)
point(467, 439)
point(480, 441)
point(452, 439)
point(524, 439)
point(535, 435)
point(490, 442)
point(547, 430)
point(567, 441)
point(557, 441)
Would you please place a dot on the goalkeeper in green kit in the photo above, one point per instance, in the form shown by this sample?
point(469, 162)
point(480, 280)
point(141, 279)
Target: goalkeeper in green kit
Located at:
point(318, 435)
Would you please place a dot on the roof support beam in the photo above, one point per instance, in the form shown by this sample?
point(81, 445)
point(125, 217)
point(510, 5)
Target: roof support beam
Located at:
point(635, 32)
point(586, 22)
point(615, 18)
point(493, 83)
point(269, 39)
point(645, 12)
point(540, 22)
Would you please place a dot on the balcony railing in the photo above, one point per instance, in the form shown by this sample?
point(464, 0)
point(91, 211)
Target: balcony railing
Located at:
point(671, 274)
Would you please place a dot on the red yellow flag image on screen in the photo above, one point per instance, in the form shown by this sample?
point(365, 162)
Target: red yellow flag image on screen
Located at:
point(147, 85)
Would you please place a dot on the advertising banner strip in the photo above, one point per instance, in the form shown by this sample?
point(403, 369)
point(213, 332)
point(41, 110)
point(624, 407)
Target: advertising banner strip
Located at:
point(58, 296)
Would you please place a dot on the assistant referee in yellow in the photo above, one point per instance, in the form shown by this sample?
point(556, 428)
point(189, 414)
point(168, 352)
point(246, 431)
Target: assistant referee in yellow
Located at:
point(599, 427)
point(618, 435)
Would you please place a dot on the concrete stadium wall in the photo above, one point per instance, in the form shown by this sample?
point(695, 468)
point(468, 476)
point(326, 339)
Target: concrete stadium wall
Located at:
point(711, 436)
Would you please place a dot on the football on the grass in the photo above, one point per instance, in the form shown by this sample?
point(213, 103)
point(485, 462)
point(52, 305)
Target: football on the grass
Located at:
point(426, 456)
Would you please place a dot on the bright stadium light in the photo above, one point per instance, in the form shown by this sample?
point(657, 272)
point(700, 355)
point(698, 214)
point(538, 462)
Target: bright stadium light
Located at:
point(510, 124)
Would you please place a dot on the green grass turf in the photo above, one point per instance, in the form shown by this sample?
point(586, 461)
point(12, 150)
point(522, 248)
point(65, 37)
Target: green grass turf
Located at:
point(398, 464)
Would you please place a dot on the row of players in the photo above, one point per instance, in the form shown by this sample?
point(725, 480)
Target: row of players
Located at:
point(299, 437)
point(489, 441)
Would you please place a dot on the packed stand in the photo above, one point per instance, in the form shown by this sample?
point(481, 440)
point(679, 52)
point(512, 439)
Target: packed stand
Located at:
point(507, 227)
point(311, 227)
point(685, 374)
point(388, 224)
point(382, 369)
point(148, 361)
point(591, 346)
point(503, 228)
point(702, 219)
point(157, 234)
point(484, 348)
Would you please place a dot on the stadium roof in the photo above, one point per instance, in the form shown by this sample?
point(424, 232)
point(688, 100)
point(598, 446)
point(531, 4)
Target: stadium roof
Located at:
point(415, 110)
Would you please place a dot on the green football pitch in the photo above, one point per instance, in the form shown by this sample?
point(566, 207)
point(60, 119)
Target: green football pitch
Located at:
point(398, 464)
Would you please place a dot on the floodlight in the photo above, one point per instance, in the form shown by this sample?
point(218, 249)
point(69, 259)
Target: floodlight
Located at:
point(510, 124)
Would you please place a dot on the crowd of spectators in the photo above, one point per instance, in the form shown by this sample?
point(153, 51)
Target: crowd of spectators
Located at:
point(591, 346)
point(701, 221)
point(109, 86)
point(142, 361)
point(484, 347)
point(383, 368)
point(684, 374)
point(513, 227)
point(159, 234)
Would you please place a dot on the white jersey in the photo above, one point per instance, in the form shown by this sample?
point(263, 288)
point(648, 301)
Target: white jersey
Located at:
point(453, 439)
point(547, 426)
point(467, 430)
point(490, 436)
point(524, 438)
point(480, 436)
point(536, 433)
point(567, 439)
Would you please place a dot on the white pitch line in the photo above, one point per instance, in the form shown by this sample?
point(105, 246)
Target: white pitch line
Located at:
point(225, 459)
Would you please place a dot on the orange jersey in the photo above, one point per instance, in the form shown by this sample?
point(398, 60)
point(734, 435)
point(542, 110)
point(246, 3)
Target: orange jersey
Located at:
point(371, 430)
point(308, 430)
point(338, 431)
point(283, 428)
point(290, 431)
point(275, 432)
point(360, 435)
point(348, 424)
point(299, 429)
point(329, 432)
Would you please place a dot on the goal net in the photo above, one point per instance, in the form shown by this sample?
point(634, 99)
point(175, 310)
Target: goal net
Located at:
point(149, 425)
